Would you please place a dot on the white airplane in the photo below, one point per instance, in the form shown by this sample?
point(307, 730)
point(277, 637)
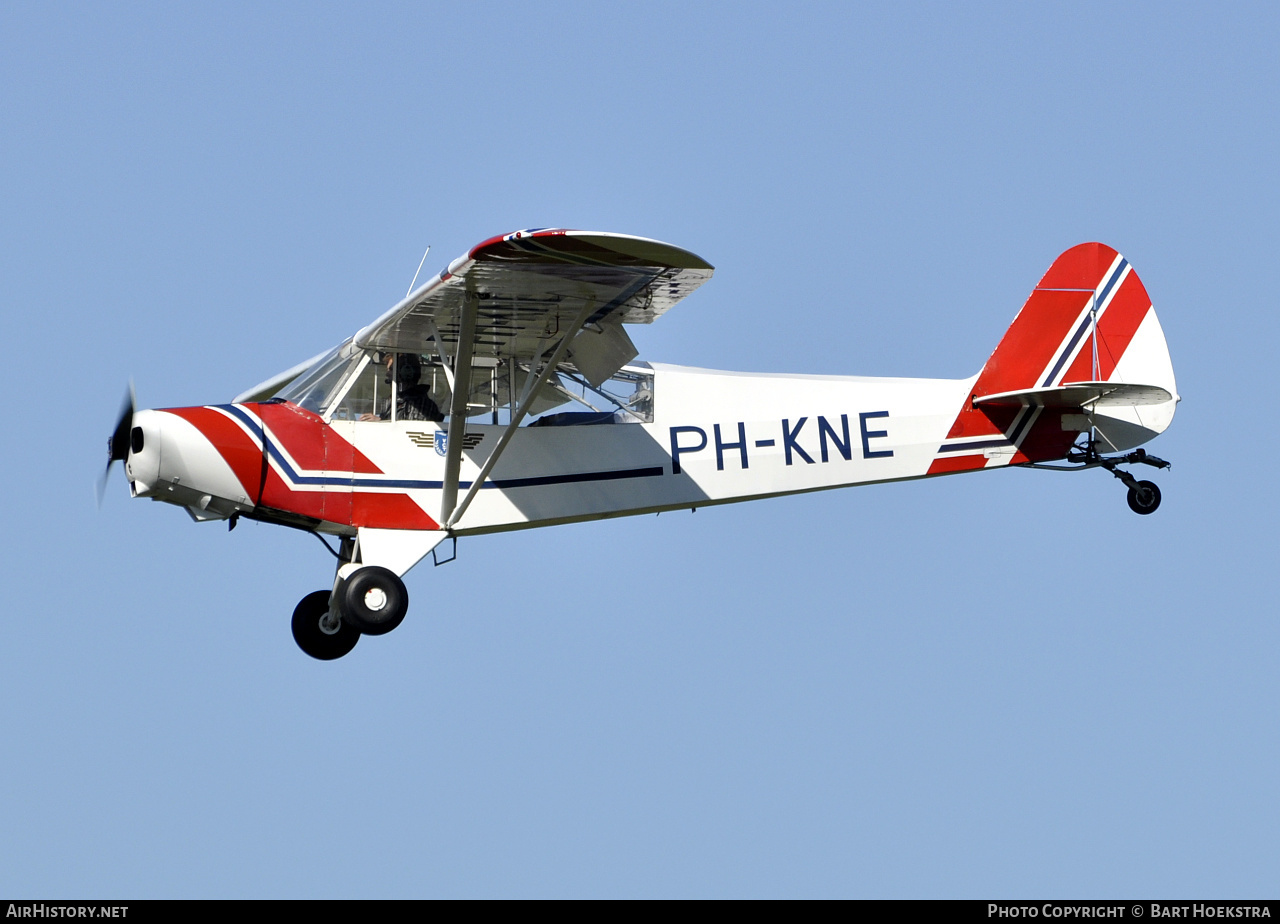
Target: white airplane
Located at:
point(374, 443)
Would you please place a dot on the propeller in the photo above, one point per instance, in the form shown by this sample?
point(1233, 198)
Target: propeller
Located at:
point(118, 444)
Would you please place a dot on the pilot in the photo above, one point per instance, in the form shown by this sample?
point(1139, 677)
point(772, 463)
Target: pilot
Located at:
point(413, 400)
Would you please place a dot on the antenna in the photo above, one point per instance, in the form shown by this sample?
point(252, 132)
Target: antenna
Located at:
point(415, 275)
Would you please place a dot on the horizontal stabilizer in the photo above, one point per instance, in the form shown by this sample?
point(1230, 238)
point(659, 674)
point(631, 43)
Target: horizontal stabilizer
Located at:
point(1086, 395)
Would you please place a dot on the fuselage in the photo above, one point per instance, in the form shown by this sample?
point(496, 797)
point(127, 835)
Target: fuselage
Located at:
point(715, 437)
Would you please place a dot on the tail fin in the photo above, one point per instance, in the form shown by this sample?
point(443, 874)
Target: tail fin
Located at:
point(1088, 320)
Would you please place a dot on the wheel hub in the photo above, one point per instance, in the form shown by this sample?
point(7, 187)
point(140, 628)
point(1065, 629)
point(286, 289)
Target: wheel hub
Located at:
point(375, 599)
point(330, 623)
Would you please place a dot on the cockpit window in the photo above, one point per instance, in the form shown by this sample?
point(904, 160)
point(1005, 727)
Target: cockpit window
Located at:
point(626, 397)
point(367, 394)
point(351, 384)
point(323, 383)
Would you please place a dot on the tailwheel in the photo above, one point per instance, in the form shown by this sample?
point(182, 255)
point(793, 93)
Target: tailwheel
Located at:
point(316, 630)
point(1144, 497)
point(373, 600)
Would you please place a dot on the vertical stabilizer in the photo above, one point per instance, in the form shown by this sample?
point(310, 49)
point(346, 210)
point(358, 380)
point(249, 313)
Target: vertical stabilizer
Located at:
point(1088, 320)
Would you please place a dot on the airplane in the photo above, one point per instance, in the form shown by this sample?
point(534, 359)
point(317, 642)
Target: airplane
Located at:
point(505, 393)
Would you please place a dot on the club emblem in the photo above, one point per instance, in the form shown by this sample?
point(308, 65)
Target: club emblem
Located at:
point(440, 440)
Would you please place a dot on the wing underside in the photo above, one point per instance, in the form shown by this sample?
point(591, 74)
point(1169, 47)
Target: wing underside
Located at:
point(528, 287)
point(526, 290)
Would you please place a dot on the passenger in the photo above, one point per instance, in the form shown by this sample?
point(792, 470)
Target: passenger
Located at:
point(413, 400)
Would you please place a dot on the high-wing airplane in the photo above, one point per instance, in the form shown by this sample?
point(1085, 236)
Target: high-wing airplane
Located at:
point(505, 394)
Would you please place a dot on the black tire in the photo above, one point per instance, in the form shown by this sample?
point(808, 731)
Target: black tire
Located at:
point(1144, 497)
point(373, 600)
point(311, 638)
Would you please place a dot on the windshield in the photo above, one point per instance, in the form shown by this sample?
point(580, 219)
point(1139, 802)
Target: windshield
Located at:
point(321, 384)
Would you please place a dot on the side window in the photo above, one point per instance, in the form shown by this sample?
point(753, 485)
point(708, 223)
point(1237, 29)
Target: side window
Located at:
point(628, 394)
point(368, 394)
point(419, 390)
point(633, 391)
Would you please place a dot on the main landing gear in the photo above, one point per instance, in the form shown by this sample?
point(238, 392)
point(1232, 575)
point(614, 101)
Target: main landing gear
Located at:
point(365, 600)
point(1144, 496)
point(318, 631)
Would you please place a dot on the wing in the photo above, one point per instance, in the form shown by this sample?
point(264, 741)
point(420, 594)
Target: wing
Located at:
point(541, 300)
point(527, 289)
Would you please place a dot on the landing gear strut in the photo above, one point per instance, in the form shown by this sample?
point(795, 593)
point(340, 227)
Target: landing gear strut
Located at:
point(365, 600)
point(1144, 496)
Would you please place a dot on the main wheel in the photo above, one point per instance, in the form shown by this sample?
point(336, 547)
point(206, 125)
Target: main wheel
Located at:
point(373, 600)
point(1144, 497)
point(312, 639)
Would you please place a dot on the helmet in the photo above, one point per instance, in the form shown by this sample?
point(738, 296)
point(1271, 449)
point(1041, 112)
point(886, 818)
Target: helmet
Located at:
point(408, 368)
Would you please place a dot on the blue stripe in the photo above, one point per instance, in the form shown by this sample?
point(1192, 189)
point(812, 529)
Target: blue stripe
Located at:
point(1084, 325)
point(414, 485)
point(1023, 425)
point(1115, 277)
point(239, 412)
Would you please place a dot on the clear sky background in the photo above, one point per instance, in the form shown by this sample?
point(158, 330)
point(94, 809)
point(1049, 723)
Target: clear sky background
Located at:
point(985, 685)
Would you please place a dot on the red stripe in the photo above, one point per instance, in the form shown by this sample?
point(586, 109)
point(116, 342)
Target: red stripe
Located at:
point(384, 511)
point(1081, 267)
point(971, 421)
point(1116, 328)
point(337, 506)
point(956, 464)
point(1045, 321)
point(277, 493)
point(388, 511)
point(305, 436)
point(314, 445)
point(235, 446)
point(488, 242)
point(1046, 440)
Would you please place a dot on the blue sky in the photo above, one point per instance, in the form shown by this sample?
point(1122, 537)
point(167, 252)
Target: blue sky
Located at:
point(983, 685)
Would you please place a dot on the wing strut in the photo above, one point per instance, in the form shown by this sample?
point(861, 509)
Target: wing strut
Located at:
point(526, 400)
point(458, 404)
point(444, 357)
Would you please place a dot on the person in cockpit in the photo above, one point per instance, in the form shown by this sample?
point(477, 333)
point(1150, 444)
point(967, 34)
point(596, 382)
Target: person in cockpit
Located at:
point(413, 399)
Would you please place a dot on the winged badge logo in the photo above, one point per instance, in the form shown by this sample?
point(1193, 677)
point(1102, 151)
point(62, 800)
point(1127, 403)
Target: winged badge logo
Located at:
point(440, 439)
